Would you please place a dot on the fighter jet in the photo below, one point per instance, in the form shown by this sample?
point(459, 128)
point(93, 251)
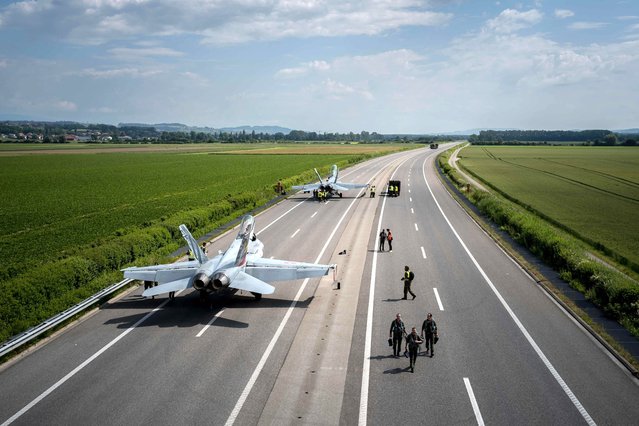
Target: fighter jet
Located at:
point(331, 184)
point(240, 267)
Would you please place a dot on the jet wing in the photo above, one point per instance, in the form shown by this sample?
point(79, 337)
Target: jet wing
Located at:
point(162, 273)
point(345, 186)
point(283, 270)
point(168, 287)
point(244, 281)
point(309, 187)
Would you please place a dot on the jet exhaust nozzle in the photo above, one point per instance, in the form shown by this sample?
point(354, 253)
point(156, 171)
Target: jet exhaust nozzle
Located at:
point(201, 281)
point(220, 281)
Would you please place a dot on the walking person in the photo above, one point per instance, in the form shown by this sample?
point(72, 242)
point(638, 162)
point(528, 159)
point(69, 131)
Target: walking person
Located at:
point(429, 332)
point(382, 239)
point(408, 278)
point(397, 331)
point(412, 345)
point(389, 237)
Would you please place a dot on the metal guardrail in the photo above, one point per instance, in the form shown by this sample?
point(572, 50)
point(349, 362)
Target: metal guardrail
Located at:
point(24, 337)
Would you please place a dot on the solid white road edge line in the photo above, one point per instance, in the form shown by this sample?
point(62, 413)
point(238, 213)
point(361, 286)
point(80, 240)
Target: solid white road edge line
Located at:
point(216, 316)
point(473, 401)
point(439, 301)
point(514, 317)
point(363, 398)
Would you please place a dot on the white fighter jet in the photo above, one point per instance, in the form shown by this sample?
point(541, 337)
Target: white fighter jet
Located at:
point(240, 267)
point(331, 184)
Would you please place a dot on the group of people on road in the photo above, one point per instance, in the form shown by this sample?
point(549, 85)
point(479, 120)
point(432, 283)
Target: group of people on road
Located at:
point(321, 194)
point(393, 190)
point(385, 236)
point(413, 340)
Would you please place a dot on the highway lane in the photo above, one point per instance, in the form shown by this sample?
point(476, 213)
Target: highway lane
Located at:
point(567, 378)
point(161, 371)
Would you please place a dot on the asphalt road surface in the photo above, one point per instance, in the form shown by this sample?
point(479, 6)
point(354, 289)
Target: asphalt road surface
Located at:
point(311, 353)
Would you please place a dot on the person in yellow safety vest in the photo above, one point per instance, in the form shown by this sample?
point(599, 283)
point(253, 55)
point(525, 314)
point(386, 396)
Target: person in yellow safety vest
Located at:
point(191, 255)
point(372, 191)
point(408, 280)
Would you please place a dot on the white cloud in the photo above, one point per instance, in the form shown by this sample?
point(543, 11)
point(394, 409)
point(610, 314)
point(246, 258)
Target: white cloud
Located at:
point(136, 53)
point(303, 69)
point(564, 13)
point(628, 17)
point(116, 72)
point(216, 22)
point(511, 20)
point(587, 25)
point(337, 90)
point(65, 106)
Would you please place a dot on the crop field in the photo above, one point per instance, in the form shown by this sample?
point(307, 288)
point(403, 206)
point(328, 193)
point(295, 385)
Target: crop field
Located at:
point(53, 203)
point(592, 191)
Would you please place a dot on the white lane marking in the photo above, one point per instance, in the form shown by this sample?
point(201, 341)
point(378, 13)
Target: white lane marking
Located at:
point(108, 345)
point(439, 301)
point(260, 365)
point(412, 211)
point(313, 215)
point(210, 322)
point(295, 233)
point(473, 401)
point(409, 184)
point(363, 401)
point(416, 228)
point(423, 252)
point(409, 191)
point(514, 317)
point(411, 199)
point(272, 257)
point(84, 364)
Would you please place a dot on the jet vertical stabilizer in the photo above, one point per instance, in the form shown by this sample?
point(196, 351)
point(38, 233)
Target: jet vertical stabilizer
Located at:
point(192, 243)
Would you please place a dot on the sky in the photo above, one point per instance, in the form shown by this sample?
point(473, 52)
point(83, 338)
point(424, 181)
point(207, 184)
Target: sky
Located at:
point(386, 66)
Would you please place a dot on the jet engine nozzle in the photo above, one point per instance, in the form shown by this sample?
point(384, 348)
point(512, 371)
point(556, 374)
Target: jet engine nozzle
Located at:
point(201, 281)
point(220, 281)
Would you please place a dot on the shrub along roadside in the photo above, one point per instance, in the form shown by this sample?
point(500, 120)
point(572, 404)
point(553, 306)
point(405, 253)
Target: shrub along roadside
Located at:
point(43, 291)
point(616, 294)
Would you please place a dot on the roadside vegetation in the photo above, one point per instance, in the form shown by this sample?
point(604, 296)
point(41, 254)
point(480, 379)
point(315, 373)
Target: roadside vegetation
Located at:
point(71, 221)
point(563, 204)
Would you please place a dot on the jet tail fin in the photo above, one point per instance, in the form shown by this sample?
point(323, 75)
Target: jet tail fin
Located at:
point(318, 176)
point(193, 246)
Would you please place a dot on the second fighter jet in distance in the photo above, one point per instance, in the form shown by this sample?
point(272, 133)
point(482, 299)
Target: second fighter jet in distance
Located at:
point(331, 185)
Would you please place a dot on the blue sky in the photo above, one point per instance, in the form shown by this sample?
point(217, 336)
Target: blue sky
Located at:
point(391, 66)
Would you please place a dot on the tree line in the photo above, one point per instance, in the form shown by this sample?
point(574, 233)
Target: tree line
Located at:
point(536, 137)
point(54, 132)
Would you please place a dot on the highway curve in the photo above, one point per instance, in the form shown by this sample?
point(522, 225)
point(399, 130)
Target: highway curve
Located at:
point(314, 354)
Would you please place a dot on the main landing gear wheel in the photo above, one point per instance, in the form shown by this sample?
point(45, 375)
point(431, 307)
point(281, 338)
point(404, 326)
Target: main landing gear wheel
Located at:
point(258, 296)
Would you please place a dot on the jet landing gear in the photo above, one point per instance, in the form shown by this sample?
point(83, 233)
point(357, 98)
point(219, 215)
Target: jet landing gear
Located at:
point(258, 296)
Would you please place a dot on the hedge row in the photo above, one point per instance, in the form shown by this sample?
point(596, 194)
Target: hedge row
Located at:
point(616, 294)
point(39, 293)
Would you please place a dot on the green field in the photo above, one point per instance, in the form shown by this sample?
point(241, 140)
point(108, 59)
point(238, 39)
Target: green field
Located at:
point(53, 203)
point(591, 191)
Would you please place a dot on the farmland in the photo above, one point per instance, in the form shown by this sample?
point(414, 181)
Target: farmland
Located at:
point(591, 191)
point(54, 203)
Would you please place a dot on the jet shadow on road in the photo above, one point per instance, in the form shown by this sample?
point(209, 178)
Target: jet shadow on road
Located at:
point(189, 310)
